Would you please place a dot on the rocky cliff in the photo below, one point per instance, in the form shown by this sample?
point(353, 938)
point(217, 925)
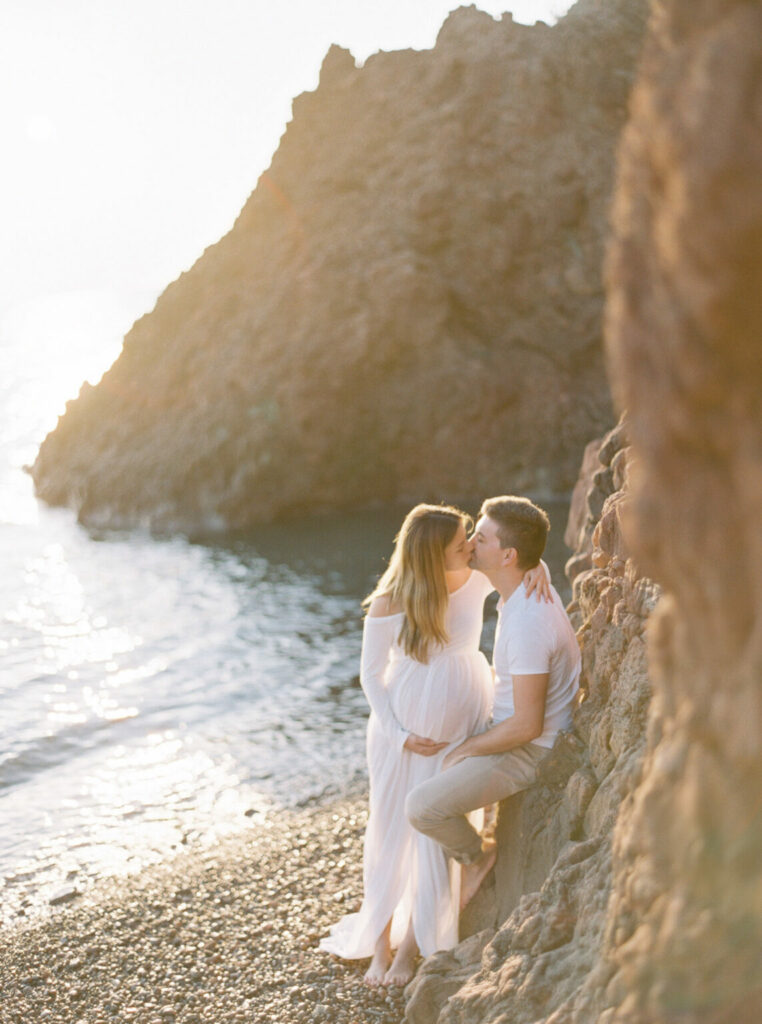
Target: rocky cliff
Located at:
point(651, 912)
point(408, 307)
point(685, 344)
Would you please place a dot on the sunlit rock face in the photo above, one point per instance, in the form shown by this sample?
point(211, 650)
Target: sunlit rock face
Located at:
point(408, 307)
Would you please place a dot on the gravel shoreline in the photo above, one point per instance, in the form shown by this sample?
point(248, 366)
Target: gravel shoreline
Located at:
point(210, 936)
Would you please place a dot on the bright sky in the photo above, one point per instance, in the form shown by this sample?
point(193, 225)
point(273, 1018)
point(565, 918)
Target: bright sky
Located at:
point(134, 130)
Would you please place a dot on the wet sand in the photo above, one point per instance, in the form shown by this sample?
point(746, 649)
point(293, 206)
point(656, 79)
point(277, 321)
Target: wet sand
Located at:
point(228, 934)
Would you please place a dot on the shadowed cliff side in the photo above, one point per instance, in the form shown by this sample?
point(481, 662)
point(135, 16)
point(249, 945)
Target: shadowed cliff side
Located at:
point(414, 280)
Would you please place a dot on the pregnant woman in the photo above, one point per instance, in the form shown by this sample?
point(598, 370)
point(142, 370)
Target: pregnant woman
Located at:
point(429, 688)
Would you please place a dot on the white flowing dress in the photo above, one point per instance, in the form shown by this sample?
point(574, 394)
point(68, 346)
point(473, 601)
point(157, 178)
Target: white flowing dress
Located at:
point(406, 874)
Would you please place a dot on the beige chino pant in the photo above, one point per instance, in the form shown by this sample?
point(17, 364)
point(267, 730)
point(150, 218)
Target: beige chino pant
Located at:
point(438, 806)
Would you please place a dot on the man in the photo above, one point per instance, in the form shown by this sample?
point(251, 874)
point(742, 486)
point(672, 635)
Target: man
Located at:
point(536, 665)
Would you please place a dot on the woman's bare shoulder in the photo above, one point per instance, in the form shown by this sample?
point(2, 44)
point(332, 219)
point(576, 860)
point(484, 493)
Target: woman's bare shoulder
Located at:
point(381, 607)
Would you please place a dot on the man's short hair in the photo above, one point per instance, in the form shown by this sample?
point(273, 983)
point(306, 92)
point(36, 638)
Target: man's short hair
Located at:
point(521, 525)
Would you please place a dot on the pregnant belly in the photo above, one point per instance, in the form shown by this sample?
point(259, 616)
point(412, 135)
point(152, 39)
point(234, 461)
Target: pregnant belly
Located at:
point(445, 701)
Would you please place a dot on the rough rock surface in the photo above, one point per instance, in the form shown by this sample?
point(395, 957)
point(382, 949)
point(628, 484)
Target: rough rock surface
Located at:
point(684, 337)
point(553, 875)
point(408, 306)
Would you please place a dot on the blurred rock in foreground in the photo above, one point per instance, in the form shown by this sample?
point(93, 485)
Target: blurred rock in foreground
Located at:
point(409, 305)
point(685, 340)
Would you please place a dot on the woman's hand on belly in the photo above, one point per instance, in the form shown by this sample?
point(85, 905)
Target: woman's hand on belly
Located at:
point(423, 746)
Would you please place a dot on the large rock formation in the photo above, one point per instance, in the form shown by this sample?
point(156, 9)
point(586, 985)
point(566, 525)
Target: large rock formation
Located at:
point(685, 340)
point(654, 915)
point(408, 306)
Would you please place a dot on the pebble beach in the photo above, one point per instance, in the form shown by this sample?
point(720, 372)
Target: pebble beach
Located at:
point(227, 934)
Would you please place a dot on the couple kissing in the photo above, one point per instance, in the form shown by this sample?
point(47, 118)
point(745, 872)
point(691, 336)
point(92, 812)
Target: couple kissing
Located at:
point(449, 735)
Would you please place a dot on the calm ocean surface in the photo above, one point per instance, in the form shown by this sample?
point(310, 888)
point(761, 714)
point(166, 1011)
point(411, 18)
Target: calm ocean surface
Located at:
point(159, 692)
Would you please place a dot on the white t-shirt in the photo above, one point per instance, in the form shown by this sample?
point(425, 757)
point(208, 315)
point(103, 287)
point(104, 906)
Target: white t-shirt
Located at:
point(534, 637)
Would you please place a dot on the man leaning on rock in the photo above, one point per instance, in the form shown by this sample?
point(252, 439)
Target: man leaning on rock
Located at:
point(536, 664)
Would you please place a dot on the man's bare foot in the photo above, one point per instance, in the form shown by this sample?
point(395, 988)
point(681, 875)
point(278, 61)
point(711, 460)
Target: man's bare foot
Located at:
point(379, 965)
point(472, 875)
point(403, 966)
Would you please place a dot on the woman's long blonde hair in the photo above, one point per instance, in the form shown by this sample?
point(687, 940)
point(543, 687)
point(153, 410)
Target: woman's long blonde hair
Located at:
point(415, 577)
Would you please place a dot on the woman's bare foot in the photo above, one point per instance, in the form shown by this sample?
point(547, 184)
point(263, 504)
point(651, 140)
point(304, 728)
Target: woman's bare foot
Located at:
point(403, 965)
point(472, 875)
point(379, 965)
